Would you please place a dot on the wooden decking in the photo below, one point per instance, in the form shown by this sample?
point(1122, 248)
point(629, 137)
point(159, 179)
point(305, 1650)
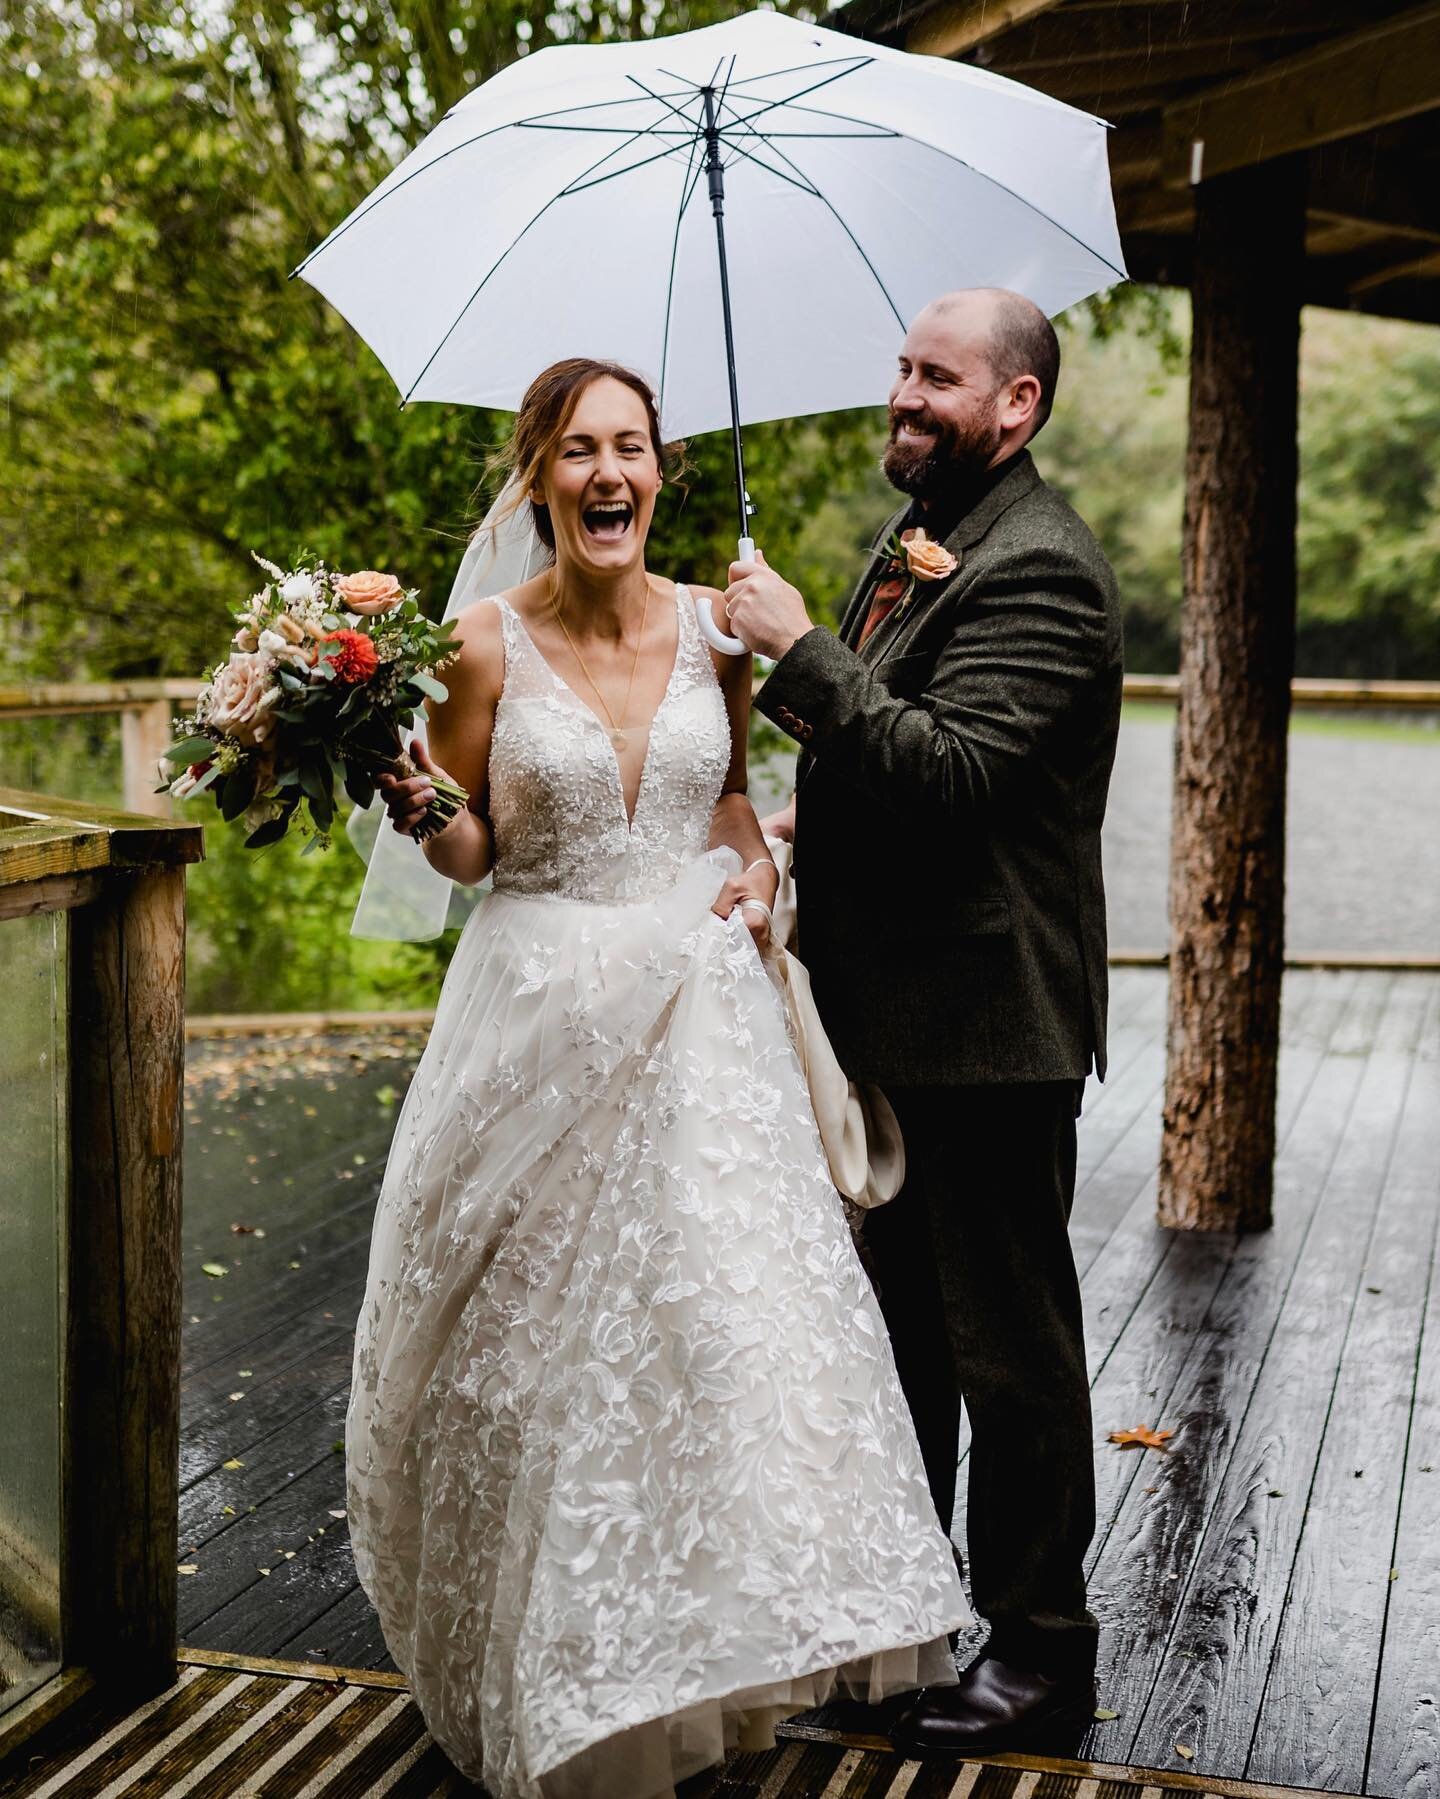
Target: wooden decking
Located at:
point(1269, 1586)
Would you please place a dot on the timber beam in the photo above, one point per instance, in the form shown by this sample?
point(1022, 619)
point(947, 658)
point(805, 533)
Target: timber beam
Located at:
point(961, 25)
point(1338, 89)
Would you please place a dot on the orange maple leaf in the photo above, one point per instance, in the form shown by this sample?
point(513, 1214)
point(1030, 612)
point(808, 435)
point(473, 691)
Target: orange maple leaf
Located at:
point(1142, 1437)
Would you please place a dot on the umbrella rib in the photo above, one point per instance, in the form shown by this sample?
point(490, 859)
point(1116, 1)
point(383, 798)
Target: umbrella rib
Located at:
point(950, 156)
point(859, 247)
point(529, 225)
point(693, 173)
point(535, 121)
point(799, 68)
point(815, 87)
point(581, 187)
point(379, 199)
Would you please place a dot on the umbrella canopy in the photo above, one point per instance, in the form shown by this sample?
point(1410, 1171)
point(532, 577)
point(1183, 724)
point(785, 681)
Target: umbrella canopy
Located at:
point(564, 208)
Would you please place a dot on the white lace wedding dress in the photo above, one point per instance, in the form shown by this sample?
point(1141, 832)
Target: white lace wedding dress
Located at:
point(630, 1471)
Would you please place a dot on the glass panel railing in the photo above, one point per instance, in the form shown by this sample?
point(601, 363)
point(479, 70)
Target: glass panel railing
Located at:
point(33, 1163)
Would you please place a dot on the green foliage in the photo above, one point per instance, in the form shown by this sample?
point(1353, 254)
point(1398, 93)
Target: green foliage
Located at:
point(1369, 527)
point(170, 401)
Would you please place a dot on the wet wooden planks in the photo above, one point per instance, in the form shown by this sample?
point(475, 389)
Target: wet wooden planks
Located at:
point(1243, 1579)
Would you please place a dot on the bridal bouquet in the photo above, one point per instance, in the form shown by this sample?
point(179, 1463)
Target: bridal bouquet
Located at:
point(323, 674)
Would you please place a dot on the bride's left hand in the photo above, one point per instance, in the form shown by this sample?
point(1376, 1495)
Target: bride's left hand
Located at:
point(760, 883)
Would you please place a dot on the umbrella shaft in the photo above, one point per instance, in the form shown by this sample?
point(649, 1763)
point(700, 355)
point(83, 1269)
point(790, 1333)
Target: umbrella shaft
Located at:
point(715, 171)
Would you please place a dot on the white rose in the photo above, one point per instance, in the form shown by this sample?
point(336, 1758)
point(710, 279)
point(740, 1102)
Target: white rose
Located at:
point(298, 590)
point(235, 699)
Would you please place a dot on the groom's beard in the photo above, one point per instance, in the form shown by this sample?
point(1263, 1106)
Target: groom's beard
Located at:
point(958, 454)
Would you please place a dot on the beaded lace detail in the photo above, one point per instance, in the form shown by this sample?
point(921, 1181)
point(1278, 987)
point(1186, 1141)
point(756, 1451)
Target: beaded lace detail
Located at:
point(556, 802)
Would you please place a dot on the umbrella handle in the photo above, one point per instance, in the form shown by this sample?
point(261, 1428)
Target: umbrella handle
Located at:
point(709, 630)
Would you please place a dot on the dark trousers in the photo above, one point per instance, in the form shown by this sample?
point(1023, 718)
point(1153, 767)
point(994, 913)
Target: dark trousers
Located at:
point(976, 1279)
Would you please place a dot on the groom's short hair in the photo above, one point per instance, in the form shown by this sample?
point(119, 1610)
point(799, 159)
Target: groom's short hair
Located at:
point(1023, 342)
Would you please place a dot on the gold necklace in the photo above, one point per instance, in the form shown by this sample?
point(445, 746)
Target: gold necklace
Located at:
point(617, 731)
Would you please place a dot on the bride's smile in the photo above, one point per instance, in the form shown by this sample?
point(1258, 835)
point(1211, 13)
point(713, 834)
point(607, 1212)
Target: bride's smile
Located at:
point(600, 483)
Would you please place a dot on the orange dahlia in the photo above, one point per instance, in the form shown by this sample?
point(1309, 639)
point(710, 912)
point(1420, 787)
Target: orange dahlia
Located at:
point(354, 657)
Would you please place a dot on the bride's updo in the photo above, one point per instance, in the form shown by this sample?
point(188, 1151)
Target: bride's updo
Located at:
point(540, 423)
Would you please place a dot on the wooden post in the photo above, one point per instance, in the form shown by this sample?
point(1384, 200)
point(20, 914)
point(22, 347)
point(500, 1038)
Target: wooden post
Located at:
point(1227, 858)
point(144, 738)
point(122, 1409)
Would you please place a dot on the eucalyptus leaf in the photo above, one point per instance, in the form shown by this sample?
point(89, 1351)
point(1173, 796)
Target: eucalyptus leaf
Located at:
point(190, 750)
point(430, 687)
point(271, 831)
point(236, 792)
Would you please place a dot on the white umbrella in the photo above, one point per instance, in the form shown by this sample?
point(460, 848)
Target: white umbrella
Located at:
point(574, 206)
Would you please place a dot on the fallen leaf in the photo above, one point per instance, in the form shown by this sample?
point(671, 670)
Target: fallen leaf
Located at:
point(227, 1511)
point(1276, 1493)
point(294, 1264)
point(1103, 1714)
point(1185, 1750)
point(1394, 1574)
point(188, 1568)
point(317, 1655)
point(1142, 1437)
point(1374, 1289)
point(265, 1571)
point(245, 1373)
point(289, 1555)
point(235, 1396)
point(243, 1230)
point(216, 1270)
point(337, 1514)
point(234, 1462)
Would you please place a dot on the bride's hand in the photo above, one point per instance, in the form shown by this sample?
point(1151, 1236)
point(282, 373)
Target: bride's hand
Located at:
point(407, 801)
point(758, 884)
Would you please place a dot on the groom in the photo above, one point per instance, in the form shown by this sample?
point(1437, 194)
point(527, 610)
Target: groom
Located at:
point(956, 743)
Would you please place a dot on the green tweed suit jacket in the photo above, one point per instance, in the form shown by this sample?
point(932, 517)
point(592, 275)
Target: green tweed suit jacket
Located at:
point(950, 793)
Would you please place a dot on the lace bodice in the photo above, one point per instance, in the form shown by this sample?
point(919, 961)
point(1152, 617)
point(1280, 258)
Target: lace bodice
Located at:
point(557, 805)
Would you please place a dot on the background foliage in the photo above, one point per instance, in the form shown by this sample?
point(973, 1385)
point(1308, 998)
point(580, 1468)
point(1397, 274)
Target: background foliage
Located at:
point(169, 401)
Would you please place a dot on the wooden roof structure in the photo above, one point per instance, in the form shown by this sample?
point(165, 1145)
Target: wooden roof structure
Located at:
point(1199, 88)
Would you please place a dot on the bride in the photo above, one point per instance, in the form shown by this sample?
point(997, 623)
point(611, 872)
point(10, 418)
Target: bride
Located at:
point(630, 1472)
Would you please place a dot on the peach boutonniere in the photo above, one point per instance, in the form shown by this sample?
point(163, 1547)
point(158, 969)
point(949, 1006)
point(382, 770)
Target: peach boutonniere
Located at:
point(913, 559)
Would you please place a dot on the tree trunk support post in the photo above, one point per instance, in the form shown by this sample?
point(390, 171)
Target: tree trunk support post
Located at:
point(1227, 858)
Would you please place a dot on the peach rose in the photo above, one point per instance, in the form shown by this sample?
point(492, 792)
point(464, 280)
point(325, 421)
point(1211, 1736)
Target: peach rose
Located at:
point(239, 697)
point(926, 559)
point(368, 591)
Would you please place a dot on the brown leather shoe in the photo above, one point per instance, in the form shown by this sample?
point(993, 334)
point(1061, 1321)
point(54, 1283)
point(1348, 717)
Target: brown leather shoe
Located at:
point(995, 1706)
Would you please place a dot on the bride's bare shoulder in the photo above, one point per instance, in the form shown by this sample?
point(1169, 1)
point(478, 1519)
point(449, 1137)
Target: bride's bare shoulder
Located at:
point(479, 669)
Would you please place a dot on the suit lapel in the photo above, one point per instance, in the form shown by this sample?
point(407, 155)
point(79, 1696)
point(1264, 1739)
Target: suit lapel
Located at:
point(858, 608)
point(1018, 481)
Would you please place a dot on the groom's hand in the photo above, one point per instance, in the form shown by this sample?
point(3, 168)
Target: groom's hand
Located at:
point(764, 610)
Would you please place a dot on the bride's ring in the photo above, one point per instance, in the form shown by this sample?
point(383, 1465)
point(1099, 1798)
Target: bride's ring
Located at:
point(728, 605)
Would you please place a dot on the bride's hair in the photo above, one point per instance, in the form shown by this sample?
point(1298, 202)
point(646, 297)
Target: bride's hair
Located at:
point(544, 413)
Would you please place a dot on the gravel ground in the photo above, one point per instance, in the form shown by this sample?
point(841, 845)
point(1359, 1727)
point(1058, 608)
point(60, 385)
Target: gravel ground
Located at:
point(1364, 855)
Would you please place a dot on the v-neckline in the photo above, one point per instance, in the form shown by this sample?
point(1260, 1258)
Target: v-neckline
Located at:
point(600, 723)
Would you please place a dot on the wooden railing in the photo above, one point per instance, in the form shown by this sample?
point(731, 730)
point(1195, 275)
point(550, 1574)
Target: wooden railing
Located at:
point(92, 959)
point(146, 708)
